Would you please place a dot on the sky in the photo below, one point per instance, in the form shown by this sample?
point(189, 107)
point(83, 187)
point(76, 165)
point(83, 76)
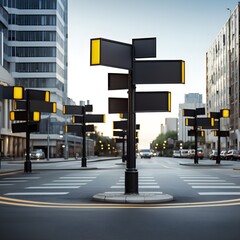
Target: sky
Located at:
point(184, 29)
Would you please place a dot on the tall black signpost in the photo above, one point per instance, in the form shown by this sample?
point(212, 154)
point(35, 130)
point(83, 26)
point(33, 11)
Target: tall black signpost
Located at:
point(35, 102)
point(80, 118)
point(121, 55)
point(195, 122)
point(224, 113)
point(9, 92)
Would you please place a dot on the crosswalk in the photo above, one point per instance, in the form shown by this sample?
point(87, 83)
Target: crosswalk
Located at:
point(208, 185)
point(145, 183)
point(66, 183)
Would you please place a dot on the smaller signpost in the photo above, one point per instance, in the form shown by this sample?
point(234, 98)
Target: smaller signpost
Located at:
point(224, 113)
point(28, 111)
point(10, 92)
point(195, 123)
point(79, 120)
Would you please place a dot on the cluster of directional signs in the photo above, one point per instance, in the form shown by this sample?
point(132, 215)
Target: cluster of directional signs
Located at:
point(79, 120)
point(28, 107)
point(122, 55)
point(211, 122)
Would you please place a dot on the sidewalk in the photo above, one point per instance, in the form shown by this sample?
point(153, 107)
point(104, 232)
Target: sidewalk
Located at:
point(8, 166)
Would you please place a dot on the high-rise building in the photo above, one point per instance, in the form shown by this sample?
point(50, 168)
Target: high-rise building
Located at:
point(191, 101)
point(33, 44)
point(222, 80)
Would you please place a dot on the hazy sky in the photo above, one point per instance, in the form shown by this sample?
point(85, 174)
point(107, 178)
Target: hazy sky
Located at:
point(184, 29)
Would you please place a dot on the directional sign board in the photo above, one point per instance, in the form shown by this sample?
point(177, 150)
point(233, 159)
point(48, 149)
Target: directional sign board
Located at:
point(20, 105)
point(159, 72)
point(145, 102)
point(191, 133)
point(118, 133)
point(10, 92)
point(110, 53)
point(40, 106)
point(123, 125)
point(78, 129)
point(70, 109)
point(144, 47)
point(222, 133)
point(117, 81)
point(22, 116)
point(91, 118)
point(23, 127)
point(38, 95)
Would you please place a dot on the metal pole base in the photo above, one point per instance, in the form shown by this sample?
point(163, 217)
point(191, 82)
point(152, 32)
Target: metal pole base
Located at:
point(84, 162)
point(131, 181)
point(28, 167)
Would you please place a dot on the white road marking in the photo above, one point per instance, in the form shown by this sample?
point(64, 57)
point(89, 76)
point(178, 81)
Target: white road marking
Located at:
point(226, 187)
point(21, 178)
point(35, 193)
point(53, 187)
point(219, 193)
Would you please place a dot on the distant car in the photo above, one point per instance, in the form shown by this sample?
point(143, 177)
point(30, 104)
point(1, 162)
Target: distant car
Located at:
point(223, 155)
point(232, 155)
point(145, 153)
point(213, 155)
point(191, 153)
point(37, 154)
point(183, 153)
point(176, 153)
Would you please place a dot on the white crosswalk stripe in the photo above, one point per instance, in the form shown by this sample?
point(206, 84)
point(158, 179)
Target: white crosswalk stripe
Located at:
point(209, 182)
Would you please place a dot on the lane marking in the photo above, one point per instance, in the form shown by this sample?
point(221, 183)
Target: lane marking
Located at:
point(72, 181)
point(212, 183)
point(37, 204)
point(78, 177)
point(35, 193)
point(6, 184)
point(227, 187)
point(202, 177)
point(21, 178)
point(64, 184)
point(53, 187)
point(219, 193)
point(204, 180)
point(14, 181)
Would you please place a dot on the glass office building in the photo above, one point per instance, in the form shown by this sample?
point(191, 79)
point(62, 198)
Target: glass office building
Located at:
point(222, 80)
point(33, 41)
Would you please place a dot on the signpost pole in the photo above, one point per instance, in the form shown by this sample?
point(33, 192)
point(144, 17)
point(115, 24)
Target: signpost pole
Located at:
point(131, 173)
point(196, 138)
point(84, 159)
point(27, 164)
point(218, 161)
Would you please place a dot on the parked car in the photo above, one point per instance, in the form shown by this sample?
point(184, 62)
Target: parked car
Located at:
point(145, 153)
point(191, 153)
point(223, 155)
point(213, 155)
point(183, 153)
point(37, 154)
point(232, 155)
point(176, 153)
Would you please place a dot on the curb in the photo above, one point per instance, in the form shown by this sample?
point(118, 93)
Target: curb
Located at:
point(133, 198)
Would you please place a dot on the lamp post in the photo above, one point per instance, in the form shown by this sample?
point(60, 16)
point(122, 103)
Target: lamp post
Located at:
point(48, 137)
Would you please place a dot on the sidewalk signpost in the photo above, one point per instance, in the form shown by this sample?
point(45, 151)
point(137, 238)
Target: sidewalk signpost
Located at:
point(29, 111)
point(122, 55)
point(79, 120)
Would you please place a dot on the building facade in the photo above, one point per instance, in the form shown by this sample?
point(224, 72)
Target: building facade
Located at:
point(222, 80)
point(191, 101)
point(34, 51)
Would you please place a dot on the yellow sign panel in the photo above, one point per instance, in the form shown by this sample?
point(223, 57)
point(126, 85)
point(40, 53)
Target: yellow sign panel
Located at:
point(225, 113)
point(47, 96)
point(12, 116)
point(54, 107)
point(95, 51)
point(18, 93)
point(183, 72)
point(169, 102)
point(36, 116)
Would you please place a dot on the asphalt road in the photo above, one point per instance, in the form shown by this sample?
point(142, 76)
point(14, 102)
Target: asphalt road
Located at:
point(55, 202)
